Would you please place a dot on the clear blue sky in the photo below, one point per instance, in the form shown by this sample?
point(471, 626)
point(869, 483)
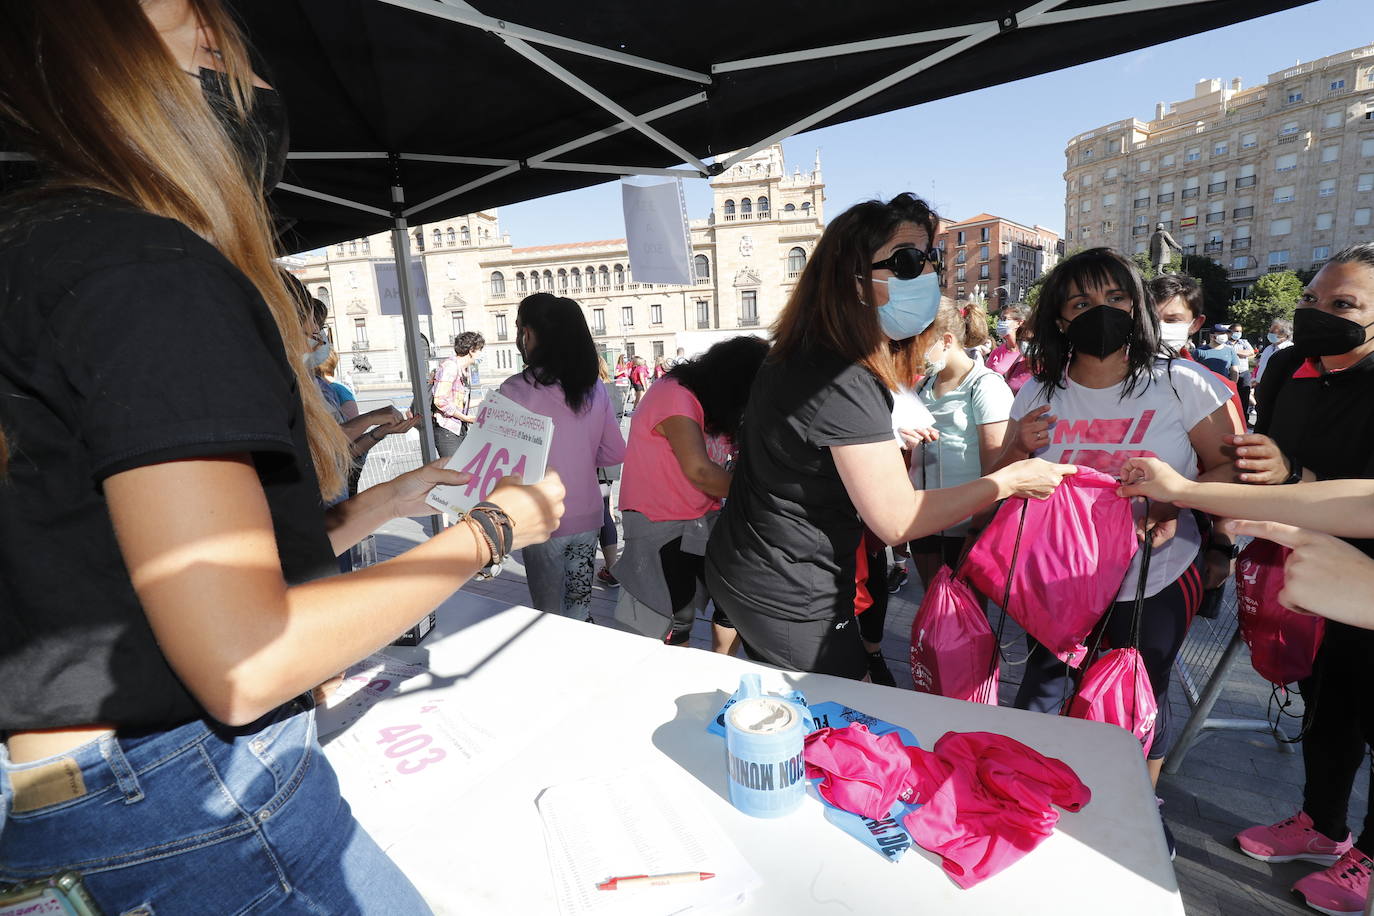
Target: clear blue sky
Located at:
point(1011, 161)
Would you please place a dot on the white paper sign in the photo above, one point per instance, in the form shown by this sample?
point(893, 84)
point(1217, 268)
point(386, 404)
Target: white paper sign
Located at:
point(656, 229)
point(506, 439)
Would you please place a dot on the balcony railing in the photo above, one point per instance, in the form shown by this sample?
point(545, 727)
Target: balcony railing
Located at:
point(1212, 247)
point(1288, 138)
point(1240, 244)
point(1216, 187)
point(1216, 217)
point(1245, 181)
point(703, 324)
point(1190, 192)
point(1275, 268)
point(598, 329)
point(1241, 271)
point(749, 321)
point(1242, 212)
point(1165, 198)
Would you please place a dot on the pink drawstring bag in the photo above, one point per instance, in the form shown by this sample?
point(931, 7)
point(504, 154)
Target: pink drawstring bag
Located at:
point(1057, 582)
point(1116, 688)
point(1283, 643)
point(953, 651)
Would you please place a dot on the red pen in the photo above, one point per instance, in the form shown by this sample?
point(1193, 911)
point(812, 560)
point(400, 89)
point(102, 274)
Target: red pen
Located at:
point(628, 881)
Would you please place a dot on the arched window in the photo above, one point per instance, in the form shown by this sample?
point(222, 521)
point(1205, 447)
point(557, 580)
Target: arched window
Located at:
point(438, 238)
point(420, 239)
point(483, 232)
point(367, 246)
point(763, 207)
point(339, 249)
point(450, 236)
point(562, 280)
point(498, 283)
point(703, 267)
point(729, 208)
point(576, 279)
point(353, 247)
point(796, 260)
point(548, 280)
point(619, 276)
point(465, 234)
point(806, 207)
point(520, 285)
point(605, 275)
point(789, 208)
point(322, 294)
point(534, 280)
point(745, 207)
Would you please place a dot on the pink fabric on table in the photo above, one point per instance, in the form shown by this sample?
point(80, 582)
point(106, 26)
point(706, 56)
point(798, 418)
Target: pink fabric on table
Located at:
point(582, 442)
point(652, 482)
point(987, 800)
point(860, 772)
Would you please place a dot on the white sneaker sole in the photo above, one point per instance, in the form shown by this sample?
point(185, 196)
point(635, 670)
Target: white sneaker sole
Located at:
point(1330, 912)
point(1313, 857)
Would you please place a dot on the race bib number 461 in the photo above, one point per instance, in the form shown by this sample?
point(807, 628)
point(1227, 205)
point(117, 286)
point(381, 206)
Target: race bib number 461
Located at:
point(506, 439)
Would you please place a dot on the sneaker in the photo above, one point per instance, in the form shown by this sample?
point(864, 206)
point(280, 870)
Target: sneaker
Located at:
point(1341, 889)
point(896, 578)
point(603, 575)
point(1292, 840)
point(878, 671)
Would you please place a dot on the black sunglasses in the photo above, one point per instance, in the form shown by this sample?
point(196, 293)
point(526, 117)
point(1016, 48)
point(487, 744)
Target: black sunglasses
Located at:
point(909, 263)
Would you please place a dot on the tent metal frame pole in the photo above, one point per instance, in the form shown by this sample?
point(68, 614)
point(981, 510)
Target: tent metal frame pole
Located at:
point(462, 189)
point(400, 245)
point(464, 14)
point(614, 169)
point(983, 34)
point(690, 101)
point(330, 198)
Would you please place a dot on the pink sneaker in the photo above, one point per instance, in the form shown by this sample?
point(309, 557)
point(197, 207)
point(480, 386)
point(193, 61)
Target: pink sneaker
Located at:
point(1292, 840)
point(1341, 889)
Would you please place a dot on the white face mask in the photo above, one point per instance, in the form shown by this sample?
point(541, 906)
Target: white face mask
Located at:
point(935, 360)
point(1174, 333)
point(317, 354)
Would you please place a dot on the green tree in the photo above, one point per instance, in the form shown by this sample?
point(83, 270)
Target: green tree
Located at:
point(1274, 295)
point(1215, 282)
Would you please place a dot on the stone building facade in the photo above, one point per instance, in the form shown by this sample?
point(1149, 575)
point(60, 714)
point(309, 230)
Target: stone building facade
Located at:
point(1277, 176)
point(747, 254)
point(993, 260)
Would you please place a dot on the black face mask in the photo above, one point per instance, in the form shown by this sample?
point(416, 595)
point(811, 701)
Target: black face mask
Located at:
point(263, 139)
point(1100, 331)
point(1318, 333)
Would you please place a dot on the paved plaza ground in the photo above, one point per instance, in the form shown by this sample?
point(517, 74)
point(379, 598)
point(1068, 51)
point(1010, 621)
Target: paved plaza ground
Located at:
point(1228, 780)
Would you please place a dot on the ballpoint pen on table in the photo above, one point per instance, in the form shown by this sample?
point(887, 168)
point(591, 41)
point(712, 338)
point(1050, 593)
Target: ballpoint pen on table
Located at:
point(630, 881)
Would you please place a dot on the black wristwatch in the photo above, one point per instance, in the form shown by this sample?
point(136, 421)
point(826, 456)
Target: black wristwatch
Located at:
point(1294, 470)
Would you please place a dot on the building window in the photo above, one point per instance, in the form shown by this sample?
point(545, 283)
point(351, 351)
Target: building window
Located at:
point(656, 315)
point(1108, 200)
point(360, 333)
point(322, 294)
point(1321, 253)
point(627, 316)
point(419, 240)
point(703, 313)
point(1333, 119)
point(1143, 166)
point(1192, 154)
point(984, 233)
point(1361, 217)
point(1330, 153)
point(1325, 220)
point(1284, 194)
point(1337, 84)
point(806, 208)
point(1288, 128)
point(535, 283)
point(1326, 187)
point(982, 252)
point(465, 235)
point(498, 283)
point(1085, 206)
point(658, 344)
point(630, 349)
point(749, 307)
point(1278, 259)
point(1365, 182)
point(960, 274)
point(562, 280)
point(763, 207)
point(605, 275)
point(1286, 163)
point(729, 208)
point(438, 238)
point(1294, 98)
point(619, 276)
point(746, 207)
point(598, 321)
point(703, 267)
point(960, 256)
point(789, 208)
point(1367, 147)
point(1166, 161)
point(1249, 141)
point(1086, 154)
point(450, 236)
point(521, 285)
point(1281, 226)
point(502, 327)
point(960, 239)
point(339, 249)
point(576, 279)
point(1220, 149)
point(796, 261)
point(1110, 174)
point(982, 271)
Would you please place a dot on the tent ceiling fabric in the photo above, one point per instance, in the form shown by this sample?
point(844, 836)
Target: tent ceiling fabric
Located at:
point(384, 76)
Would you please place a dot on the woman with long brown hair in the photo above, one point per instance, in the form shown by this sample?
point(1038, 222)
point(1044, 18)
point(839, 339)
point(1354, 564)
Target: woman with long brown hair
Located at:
point(818, 460)
point(165, 599)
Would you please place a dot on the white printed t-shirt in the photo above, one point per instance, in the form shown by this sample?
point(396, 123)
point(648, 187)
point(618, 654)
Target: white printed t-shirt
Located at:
point(1096, 428)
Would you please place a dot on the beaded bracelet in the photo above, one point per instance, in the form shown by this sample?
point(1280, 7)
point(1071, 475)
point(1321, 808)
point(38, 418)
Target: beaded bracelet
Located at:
point(497, 531)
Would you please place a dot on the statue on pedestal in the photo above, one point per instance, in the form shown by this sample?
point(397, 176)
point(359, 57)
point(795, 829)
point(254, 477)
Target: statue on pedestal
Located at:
point(1162, 245)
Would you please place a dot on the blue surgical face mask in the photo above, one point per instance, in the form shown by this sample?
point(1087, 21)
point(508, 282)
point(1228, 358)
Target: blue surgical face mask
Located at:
point(1273, 338)
point(1235, 335)
point(911, 305)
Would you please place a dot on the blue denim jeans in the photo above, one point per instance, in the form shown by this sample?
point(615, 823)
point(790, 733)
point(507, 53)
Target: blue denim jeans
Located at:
point(199, 819)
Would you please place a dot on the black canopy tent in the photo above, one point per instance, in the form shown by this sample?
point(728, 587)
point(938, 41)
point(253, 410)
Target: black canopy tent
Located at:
point(419, 110)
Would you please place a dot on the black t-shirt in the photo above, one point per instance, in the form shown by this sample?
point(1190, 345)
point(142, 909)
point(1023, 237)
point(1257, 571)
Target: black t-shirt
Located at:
point(786, 541)
point(127, 341)
point(1324, 421)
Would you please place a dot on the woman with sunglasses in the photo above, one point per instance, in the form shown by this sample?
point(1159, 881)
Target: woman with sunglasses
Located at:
point(1103, 394)
point(818, 459)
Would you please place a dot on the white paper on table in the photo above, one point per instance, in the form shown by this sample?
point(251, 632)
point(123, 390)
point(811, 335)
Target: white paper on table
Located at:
point(364, 685)
point(505, 439)
point(646, 821)
point(908, 412)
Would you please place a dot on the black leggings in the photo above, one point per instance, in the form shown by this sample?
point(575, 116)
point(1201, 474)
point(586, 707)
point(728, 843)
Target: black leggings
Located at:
point(871, 621)
point(1046, 685)
point(1339, 723)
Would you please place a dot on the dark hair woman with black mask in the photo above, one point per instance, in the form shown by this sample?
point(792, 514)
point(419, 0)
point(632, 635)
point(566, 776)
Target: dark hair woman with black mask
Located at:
point(1101, 394)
